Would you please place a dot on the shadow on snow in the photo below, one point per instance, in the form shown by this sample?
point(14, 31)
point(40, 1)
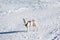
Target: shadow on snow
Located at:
point(12, 32)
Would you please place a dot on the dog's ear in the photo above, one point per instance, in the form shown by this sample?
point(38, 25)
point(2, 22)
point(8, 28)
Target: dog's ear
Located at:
point(34, 22)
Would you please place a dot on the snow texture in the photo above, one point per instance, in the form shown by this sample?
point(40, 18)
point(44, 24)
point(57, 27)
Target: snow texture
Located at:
point(45, 12)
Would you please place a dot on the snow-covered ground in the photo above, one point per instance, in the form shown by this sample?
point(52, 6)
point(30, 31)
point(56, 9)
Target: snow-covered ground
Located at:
point(46, 13)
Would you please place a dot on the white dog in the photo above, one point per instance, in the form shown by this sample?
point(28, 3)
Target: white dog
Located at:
point(29, 23)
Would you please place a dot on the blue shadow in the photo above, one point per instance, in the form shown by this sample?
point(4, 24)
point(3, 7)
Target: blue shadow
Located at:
point(11, 32)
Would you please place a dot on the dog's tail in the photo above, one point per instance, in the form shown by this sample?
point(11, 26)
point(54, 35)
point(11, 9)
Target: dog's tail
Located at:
point(24, 21)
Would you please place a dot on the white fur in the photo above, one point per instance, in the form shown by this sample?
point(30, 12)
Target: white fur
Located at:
point(30, 23)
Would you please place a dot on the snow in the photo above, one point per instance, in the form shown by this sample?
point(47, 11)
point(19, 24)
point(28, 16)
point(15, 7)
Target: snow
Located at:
point(45, 12)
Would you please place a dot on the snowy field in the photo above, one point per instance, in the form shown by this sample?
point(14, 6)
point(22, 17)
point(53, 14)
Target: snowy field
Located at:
point(46, 13)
